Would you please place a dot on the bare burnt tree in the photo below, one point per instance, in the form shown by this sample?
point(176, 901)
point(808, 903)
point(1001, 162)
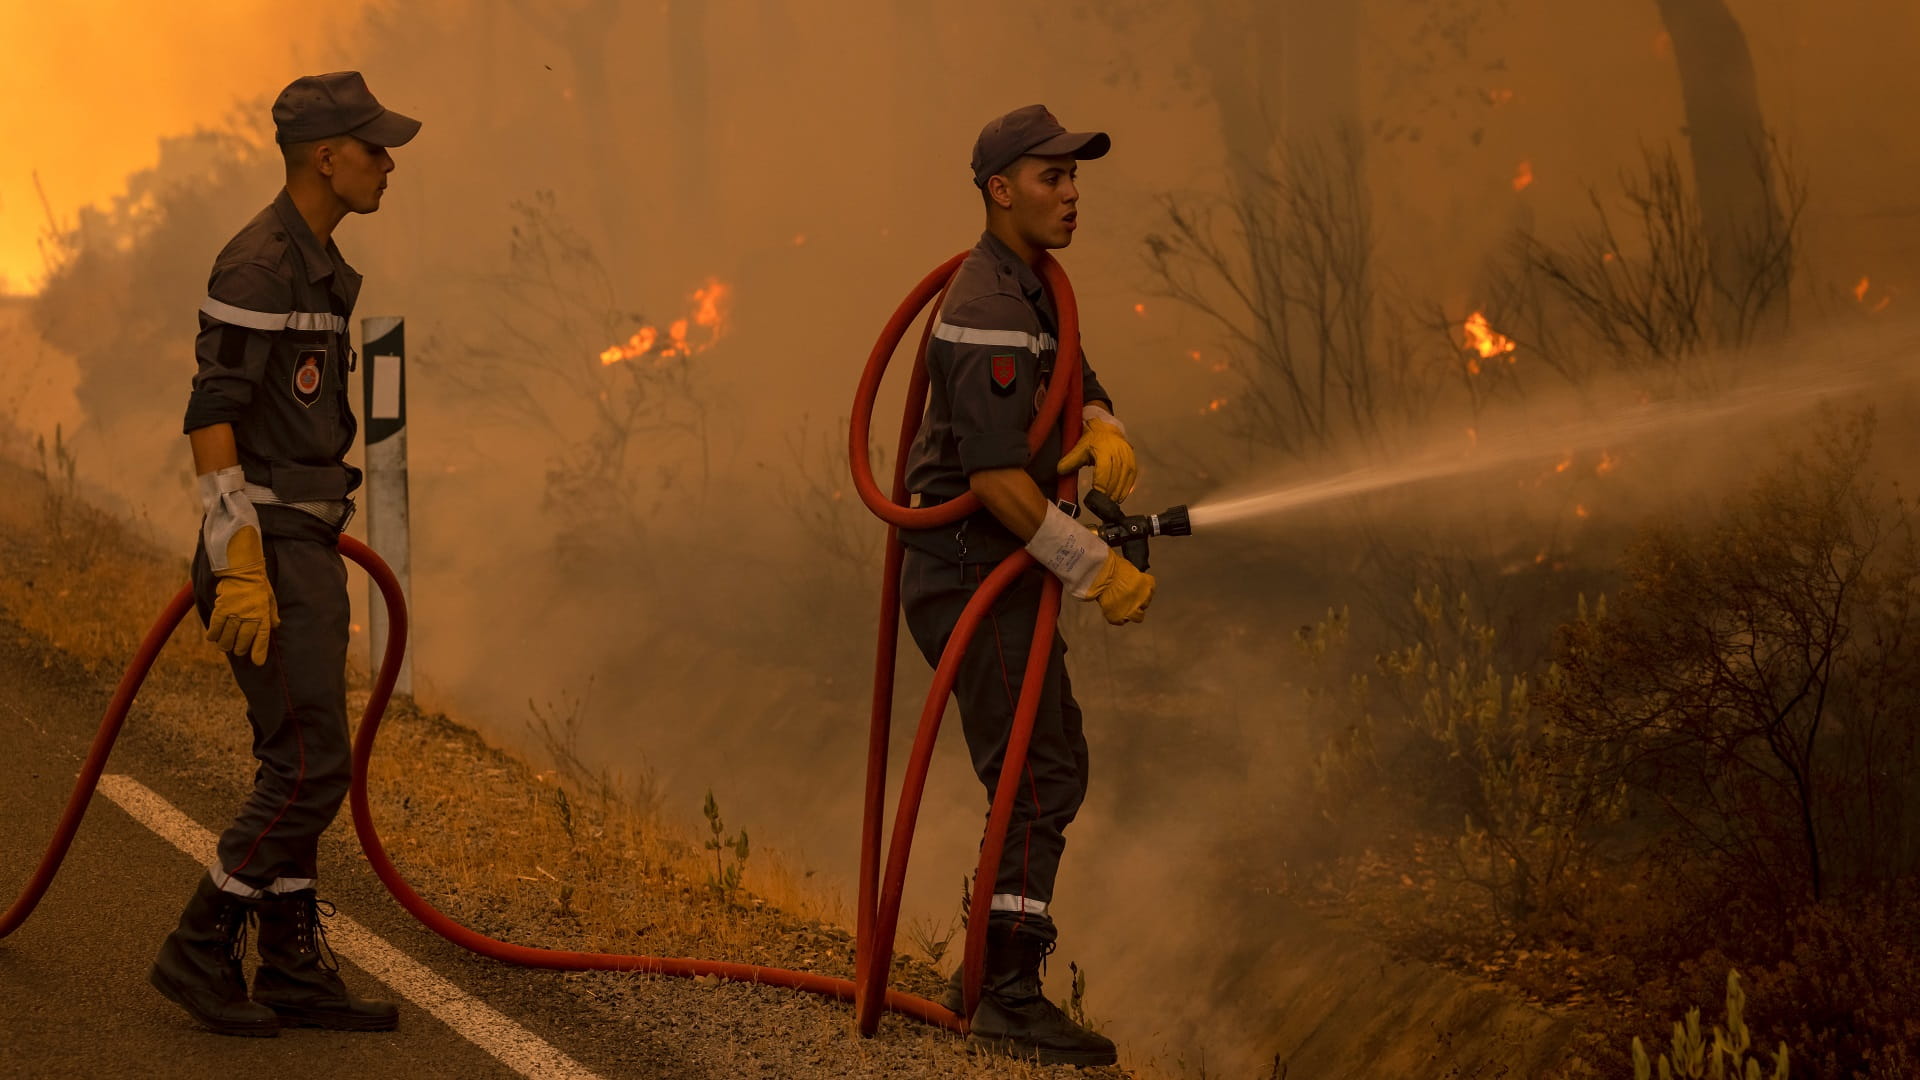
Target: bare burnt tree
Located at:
point(1285, 279)
point(1636, 293)
point(1751, 265)
point(1757, 677)
point(628, 433)
point(583, 30)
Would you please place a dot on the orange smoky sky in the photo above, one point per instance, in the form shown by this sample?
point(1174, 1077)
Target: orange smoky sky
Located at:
point(92, 87)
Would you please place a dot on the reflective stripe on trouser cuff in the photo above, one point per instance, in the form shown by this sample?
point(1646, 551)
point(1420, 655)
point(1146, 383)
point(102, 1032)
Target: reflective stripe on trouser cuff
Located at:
point(229, 883)
point(1018, 339)
point(1006, 901)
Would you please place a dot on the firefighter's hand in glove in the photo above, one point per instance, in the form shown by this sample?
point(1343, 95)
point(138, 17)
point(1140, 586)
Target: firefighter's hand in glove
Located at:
point(1090, 569)
point(244, 610)
point(1103, 445)
point(1122, 590)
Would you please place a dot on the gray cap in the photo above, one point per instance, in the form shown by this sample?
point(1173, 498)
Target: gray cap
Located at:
point(1030, 130)
point(337, 103)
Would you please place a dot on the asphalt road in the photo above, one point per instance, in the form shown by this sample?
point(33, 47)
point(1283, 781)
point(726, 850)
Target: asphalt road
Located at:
point(74, 1000)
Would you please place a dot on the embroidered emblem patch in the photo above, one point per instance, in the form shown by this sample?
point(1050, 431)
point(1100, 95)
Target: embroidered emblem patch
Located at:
point(1004, 373)
point(306, 376)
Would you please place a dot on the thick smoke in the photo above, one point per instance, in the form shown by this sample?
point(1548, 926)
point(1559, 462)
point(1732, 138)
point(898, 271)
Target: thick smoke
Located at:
point(672, 547)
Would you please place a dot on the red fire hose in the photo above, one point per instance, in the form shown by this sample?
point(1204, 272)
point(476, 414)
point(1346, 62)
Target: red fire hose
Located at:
point(879, 900)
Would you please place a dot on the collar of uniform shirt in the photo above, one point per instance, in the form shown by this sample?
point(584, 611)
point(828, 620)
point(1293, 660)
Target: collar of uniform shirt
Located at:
point(1029, 281)
point(319, 263)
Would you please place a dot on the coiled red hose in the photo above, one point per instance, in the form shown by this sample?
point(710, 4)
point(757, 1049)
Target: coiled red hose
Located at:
point(879, 900)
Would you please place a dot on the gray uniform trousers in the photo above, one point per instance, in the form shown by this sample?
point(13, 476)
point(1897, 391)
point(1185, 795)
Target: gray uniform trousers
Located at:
point(296, 702)
point(932, 593)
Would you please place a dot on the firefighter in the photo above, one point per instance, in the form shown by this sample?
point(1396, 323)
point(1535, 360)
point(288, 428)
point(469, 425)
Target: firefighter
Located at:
point(990, 358)
point(270, 425)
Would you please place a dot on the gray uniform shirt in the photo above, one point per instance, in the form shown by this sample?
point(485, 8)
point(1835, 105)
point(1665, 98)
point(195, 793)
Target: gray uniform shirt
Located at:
point(988, 364)
point(273, 356)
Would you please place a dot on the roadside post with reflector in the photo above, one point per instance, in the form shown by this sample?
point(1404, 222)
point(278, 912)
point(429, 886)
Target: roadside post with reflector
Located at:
point(384, 381)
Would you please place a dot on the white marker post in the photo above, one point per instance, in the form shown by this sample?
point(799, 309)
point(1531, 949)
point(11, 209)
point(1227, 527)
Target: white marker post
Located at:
point(385, 382)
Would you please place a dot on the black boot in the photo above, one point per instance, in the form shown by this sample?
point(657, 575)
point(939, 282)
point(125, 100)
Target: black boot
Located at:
point(1016, 1019)
point(955, 999)
point(199, 965)
point(299, 977)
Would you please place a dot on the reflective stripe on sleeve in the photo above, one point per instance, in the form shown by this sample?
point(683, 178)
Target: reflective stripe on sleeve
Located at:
point(239, 316)
point(967, 335)
point(1003, 901)
point(315, 320)
point(271, 320)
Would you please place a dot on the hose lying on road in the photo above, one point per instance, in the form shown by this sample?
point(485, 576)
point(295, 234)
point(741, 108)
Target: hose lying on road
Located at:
point(879, 902)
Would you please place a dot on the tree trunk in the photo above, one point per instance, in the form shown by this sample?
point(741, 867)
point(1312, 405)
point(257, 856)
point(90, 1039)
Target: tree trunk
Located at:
point(1748, 237)
point(688, 78)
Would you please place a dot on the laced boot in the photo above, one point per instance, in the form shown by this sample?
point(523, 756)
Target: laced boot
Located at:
point(1016, 1019)
point(299, 976)
point(199, 969)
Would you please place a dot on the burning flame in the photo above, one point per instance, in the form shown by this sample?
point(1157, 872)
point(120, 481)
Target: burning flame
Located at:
point(1140, 309)
point(707, 315)
point(1565, 464)
point(1216, 404)
point(1483, 340)
point(1860, 296)
point(1502, 96)
point(1580, 510)
point(1607, 462)
point(1523, 176)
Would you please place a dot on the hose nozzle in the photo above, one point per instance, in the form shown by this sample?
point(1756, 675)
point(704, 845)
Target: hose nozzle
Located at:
point(1131, 533)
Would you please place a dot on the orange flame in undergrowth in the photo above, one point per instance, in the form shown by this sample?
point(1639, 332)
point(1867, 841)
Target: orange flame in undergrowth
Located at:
point(1606, 465)
point(1216, 405)
point(1860, 296)
point(707, 316)
point(1485, 342)
point(1523, 176)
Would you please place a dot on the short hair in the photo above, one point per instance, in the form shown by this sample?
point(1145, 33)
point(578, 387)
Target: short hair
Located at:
point(296, 154)
point(1007, 171)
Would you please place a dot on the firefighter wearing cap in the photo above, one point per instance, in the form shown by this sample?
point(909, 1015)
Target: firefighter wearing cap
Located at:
point(990, 358)
point(270, 425)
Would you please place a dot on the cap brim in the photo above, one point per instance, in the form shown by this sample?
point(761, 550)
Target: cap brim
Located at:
point(1080, 145)
point(388, 129)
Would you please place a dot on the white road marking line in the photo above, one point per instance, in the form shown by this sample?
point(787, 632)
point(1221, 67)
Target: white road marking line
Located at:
point(515, 1046)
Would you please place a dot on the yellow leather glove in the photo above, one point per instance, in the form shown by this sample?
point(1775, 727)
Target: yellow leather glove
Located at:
point(1103, 445)
point(244, 610)
point(1122, 590)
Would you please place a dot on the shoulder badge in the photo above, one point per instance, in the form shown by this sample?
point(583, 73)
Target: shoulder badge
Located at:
point(1005, 371)
point(306, 376)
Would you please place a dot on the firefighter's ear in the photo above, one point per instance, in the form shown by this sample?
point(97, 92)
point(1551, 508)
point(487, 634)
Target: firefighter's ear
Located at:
point(323, 158)
point(1000, 191)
